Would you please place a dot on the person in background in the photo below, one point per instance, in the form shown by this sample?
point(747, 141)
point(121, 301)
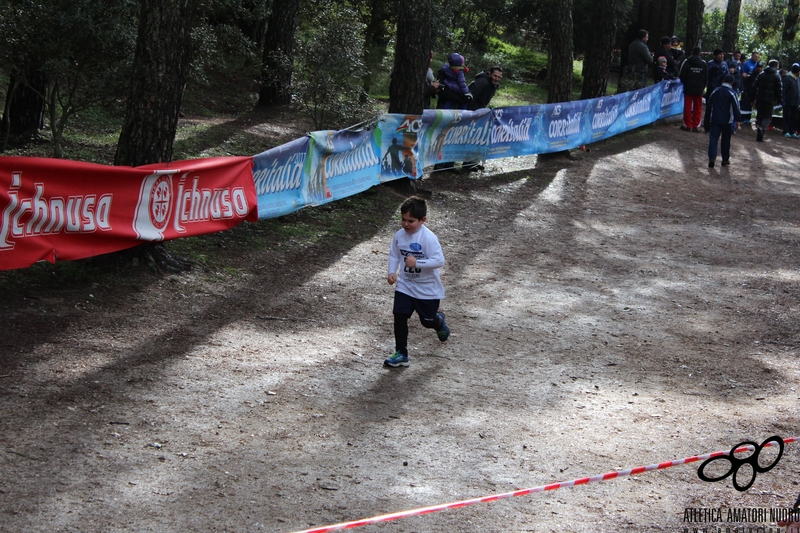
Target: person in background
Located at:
point(735, 68)
point(768, 90)
point(453, 90)
point(660, 72)
point(453, 93)
point(750, 65)
point(722, 110)
point(678, 54)
point(749, 94)
point(665, 51)
point(482, 88)
point(431, 84)
point(717, 69)
point(791, 100)
point(639, 59)
point(694, 76)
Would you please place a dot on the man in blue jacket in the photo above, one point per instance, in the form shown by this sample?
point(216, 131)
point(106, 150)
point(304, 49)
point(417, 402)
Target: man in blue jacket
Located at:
point(723, 110)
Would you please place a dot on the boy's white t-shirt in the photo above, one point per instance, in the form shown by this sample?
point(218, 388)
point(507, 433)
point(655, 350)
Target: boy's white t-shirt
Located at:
point(423, 281)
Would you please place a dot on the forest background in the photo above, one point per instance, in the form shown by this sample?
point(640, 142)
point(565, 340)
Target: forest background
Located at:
point(108, 82)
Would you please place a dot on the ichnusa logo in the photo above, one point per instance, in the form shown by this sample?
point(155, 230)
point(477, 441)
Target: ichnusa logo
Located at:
point(158, 205)
point(43, 215)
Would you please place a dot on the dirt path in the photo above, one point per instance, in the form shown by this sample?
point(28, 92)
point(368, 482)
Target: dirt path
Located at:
point(623, 307)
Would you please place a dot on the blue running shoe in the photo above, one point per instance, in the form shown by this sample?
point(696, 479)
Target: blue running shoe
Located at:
point(396, 360)
point(444, 332)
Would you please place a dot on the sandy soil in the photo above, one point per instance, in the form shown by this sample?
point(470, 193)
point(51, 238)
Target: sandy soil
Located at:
point(614, 308)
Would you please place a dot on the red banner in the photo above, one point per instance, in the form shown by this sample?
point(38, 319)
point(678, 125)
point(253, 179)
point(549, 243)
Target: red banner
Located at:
point(52, 209)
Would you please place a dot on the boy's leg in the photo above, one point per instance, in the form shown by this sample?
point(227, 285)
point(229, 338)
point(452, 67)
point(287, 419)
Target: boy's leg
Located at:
point(430, 317)
point(402, 310)
point(401, 333)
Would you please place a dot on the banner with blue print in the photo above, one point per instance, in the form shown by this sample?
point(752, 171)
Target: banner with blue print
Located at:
point(565, 125)
point(449, 135)
point(397, 135)
point(340, 164)
point(329, 165)
point(671, 98)
point(516, 131)
point(279, 176)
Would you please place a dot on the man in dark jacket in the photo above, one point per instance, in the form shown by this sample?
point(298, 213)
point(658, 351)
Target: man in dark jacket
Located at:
point(639, 59)
point(717, 69)
point(483, 88)
point(723, 110)
point(768, 91)
point(694, 76)
point(791, 100)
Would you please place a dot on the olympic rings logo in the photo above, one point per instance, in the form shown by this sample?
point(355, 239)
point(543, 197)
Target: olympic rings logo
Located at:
point(736, 463)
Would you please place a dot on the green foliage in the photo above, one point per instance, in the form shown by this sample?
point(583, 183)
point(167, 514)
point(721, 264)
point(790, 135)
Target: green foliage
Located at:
point(519, 63)
point(83, 50)
point(713, 23)
point(329, 63)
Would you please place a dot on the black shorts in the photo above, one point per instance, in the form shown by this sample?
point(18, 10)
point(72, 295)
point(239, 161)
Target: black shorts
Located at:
point(406, 305)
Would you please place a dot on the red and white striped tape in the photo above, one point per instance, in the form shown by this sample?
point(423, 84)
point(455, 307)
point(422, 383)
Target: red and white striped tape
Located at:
point(525, 492)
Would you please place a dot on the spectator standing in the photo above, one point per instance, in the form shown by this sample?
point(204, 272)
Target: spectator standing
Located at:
point(482, 88)
point(431, 85)
point(717, 69)
point(694, 76)
point(750, 65)
point(665, 51)
point(791, 100)
point(749, 93)
point(678, 54)
point(735, 68)
point(453, 92)
point(639, 59)
point(768, 91)
point(723, 110)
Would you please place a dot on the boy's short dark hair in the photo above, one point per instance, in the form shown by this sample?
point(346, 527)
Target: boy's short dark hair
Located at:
point(728, 78)
point(416, 207)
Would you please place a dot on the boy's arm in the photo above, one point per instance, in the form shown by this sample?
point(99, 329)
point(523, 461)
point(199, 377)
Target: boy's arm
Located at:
point(394, 257)
point(435, 255)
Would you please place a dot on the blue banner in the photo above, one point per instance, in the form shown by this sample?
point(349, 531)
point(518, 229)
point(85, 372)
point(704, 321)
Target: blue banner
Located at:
point(398, 138)
point(341, 163)
point(671, 98)
point(565, 125)
point(329, 165)
point(452, 135)
point(516, 131)
point(278, 174)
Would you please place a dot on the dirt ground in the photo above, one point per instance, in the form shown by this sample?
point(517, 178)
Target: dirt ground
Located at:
point(615, 308)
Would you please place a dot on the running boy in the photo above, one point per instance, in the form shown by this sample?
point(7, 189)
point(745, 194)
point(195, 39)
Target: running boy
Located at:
point(419, 288)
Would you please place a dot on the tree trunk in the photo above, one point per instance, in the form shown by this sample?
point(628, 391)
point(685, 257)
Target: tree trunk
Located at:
point(25, 108)
point(694, 24)
point(375, 42)
point(600, 52)
point(730, 30)
point(276, 68)
point(160, 70)
point(559, 61)
point(790, 22)
point(413, 45)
